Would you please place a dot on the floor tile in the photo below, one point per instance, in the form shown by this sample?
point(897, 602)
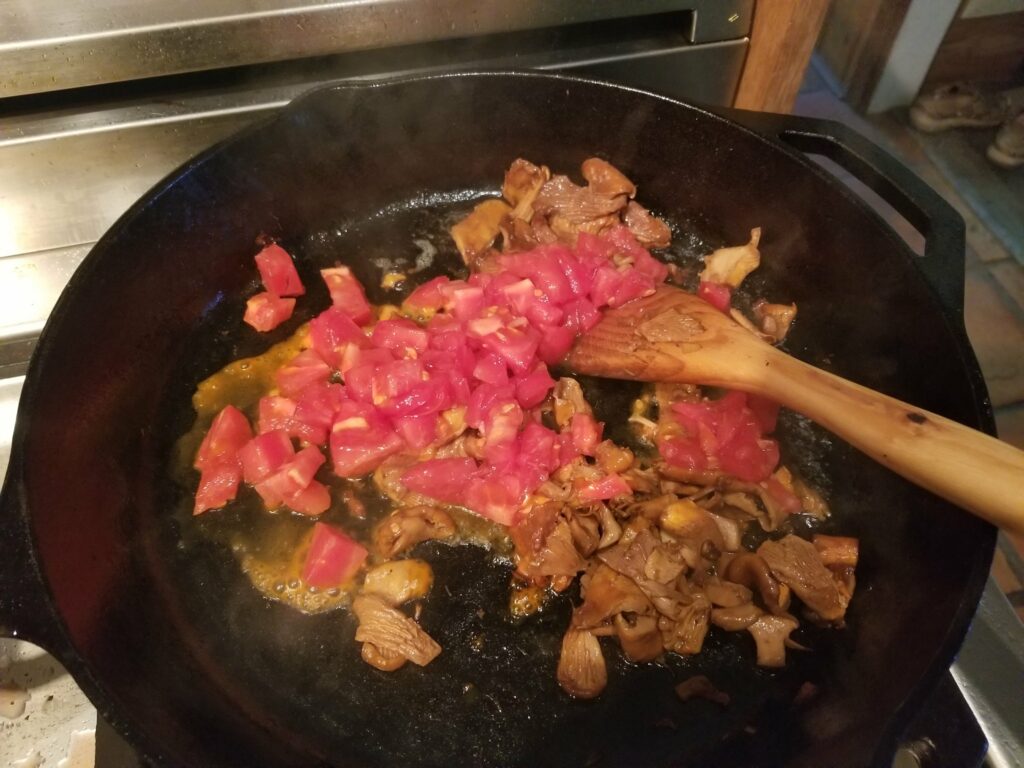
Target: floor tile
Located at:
point(1010, 276)
point(997, 335)
point(1010, 424)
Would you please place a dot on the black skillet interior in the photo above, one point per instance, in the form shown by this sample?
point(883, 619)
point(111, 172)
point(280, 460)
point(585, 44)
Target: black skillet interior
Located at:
point(181, 653)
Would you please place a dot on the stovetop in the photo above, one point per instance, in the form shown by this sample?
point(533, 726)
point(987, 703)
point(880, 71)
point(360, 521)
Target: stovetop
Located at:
point(65, 176)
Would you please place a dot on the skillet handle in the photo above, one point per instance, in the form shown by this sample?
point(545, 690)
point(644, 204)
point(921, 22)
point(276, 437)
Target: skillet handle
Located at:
point(26, 609)
point(943, 228)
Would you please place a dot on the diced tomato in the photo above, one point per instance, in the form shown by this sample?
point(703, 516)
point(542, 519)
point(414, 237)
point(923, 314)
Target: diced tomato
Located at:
point(581, 316)
point(361, 440)
point(718, 295)
point(417, 431)
point(607, 280)
point(539, 449)
point(607, 487)
point(785, 498)
point(497, 497)
point(730, 434)
point(748, 457)
point(491, 369)
point(313, 500)
point(586, 433)
point(578, 269)
point(403, 388)
point(555, 344)
point(400, 335)
point(333, 559)
point(304, 369)
point(218, 484)
point(634, 285)
point(265, 454)
point(518, 348)
point(332, 332)
point(278, 412)
point(277, 270)
point(765, 411)
point(643, 262)
point(317, 404)
point(427, 298)
point(532, 388)
point(542, 266)
point(265, 311)
point(228, 432)
point(685, 452)
point(442, 479)
point(347, 293)
point(484, 397)
point(293, 477)
point(355, 357)
point(501, 426)
point(467, 302)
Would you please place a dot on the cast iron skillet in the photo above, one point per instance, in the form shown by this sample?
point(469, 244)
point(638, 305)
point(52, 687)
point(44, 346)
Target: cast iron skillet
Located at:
point(196, 669)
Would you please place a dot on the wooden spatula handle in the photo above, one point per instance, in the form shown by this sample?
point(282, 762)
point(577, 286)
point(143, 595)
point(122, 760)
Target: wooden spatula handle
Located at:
point(967, 467)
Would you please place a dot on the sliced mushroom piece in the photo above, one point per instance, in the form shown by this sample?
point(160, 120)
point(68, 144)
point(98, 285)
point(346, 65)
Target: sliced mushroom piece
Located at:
point(408, 526)
point(664, 565)
point(701, 686)
point(568, 401)
point(836, 551)
point(796, 562)
point(812, 502)
point(606, 593)
point(392, 632)
point(727, 594)
point(687, 634)
point(476, 233)
point(611, 531)
point(523, 181)
point(770, 634)
point(731, 530)
point(613, 458)
point(639, 636)
point(731, 265)
point(752, 571)
point(581, 667)
point(648, 229)
point(736, 619)
point(774, 320)
point(605, 179)
point(385, 661)
point(399, 581)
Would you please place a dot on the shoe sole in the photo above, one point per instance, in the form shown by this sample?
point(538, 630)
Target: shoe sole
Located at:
point(1003, 160)
point(929, 124)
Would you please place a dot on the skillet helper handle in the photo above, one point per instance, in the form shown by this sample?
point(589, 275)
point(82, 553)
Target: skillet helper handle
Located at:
point(26, 611)
point(943, 228)
point(969, 468)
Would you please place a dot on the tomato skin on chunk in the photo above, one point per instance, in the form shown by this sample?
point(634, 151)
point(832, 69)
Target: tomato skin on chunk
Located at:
point(277, 270)
point(718, 295)
point(442, 479)
point(333, 558)
point(265, 311)
point(347, 293)
point(218, 484)
point(228, 432)
point(218, 460)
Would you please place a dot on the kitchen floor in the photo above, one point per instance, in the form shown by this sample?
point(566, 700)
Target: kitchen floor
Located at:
point(991, 202)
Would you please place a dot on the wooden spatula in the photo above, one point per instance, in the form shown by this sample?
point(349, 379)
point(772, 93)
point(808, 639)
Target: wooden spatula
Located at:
point(676, 336)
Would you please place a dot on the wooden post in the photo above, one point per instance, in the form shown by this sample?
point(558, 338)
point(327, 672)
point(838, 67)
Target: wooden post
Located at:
point(781, 42)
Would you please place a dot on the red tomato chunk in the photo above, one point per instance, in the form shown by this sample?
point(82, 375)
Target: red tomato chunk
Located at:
point(265, 311)
point(278, 272)
point(333, 559)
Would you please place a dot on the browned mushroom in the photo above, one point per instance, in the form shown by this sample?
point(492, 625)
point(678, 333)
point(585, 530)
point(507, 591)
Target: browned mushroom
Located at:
point(399, 581)
point(735, 619)
point(408, 526)
point(770, 633)
point(581, 668)
point(639, 636)
point(391, 632)
point(796, 562)
point(385, 661)
point(752, 571)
